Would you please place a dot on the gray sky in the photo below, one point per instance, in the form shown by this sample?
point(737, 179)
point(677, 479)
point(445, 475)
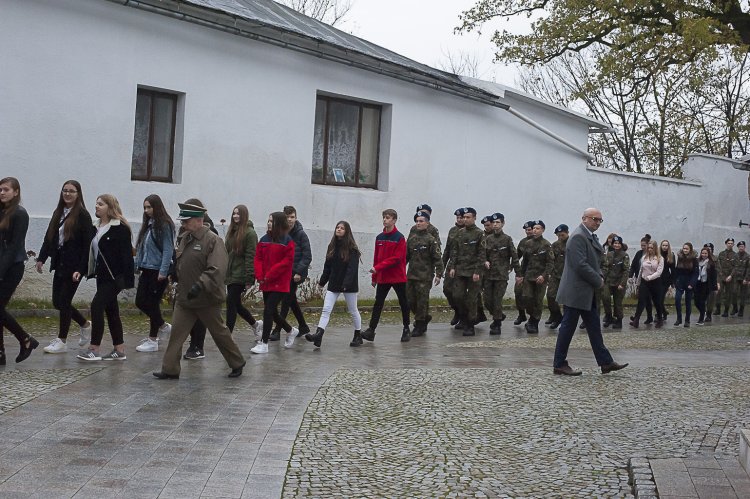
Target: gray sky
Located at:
point(423, 31)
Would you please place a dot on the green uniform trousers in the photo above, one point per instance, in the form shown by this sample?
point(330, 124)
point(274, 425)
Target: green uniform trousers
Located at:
point(418, 296)
point(466, 294)
point(552, 305)
point(612, 293)
point(494, 292)
point(449, 291)
point(518, 293)
point(533, 298)
point(182, 322)
point(727, 294)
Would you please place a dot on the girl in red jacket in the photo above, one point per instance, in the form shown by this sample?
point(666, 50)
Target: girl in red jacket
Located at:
point(274, 260)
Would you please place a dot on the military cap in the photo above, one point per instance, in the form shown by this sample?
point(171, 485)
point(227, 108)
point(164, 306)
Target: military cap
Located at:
point(562, 228)
point(424, 207)
point(497, 216)
point(729, 239)
point(741, 243)
point(188, 211)
point(459, 212)
point(422, 213)
point(709, 246)
point(616, 239)
point(486, 219)
point(528, 224)
point(538, 222)
point(471, 210)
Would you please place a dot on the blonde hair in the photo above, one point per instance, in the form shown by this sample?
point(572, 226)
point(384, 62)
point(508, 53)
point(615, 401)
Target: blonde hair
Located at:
point(656, 249)
point(113, 208)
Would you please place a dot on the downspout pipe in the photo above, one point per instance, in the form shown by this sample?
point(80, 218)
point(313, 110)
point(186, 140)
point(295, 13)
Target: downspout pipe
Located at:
point(550, 133)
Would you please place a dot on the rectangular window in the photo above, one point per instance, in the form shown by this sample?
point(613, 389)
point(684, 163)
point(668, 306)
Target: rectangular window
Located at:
point(153, 141)
point(346, 143)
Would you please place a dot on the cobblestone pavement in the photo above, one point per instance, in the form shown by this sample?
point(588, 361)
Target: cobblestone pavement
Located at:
point(422, 419)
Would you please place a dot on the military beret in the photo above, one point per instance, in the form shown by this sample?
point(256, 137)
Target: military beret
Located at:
point(528, 224)
point(616, 239)
point(425, 214)
point(562, 228)
point(424, 207)
point(486, 219)
point(459, 212)
point(709, 246)
point(741, 243)
point(729, 239)
point(538, 222)
point(471, 210)
point(497, 216)
point(188, 211)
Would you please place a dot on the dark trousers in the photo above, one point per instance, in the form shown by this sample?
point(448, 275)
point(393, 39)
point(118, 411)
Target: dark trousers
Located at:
point(700, 297)
point(148, 298)
point(650, 291)
point(381, 292)
point(593, 329)
point(271, 301)
point(235, 306)
point(290, 303)
point(688, 302)
point(197, 335)
point(105, 302)
point(63, 290)
point(8, 286)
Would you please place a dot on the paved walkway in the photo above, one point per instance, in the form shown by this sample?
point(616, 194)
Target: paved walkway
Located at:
point(439, 416)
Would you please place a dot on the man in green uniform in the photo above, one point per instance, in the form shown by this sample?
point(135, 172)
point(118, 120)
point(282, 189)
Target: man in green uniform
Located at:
point(728, 271)
point(517, 288)
point(431, 229)
point(501, 257)
point(558, 257)
point(448, 284)
point(425, 263)
point(536, 266)
point(466, 266)
point(616, 268)
point(743, 280)
point(711, 300)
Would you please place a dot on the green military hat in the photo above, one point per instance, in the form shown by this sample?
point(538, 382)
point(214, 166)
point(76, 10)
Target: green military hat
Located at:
point(188, 211)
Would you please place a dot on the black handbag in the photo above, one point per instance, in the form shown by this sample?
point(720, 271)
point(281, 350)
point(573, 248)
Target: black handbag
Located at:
point(119, 279)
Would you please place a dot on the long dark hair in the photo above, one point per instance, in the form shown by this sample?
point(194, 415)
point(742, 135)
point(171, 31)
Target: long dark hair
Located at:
point(161, 218)
point(237, 231)
point(686, 261)
point(11, 207)
point(279, 226)
point(347, 245)
point(71, 220)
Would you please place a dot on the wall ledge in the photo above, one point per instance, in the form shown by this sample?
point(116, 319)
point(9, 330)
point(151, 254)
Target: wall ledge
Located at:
point(644, 176)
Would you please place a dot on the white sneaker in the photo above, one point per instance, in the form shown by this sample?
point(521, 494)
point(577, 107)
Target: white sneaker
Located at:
point(57, 346)
point(290, 337)
point(164, 331)
point(85, 334)
point(257, 330)
point(148, 345)
point(260, 348)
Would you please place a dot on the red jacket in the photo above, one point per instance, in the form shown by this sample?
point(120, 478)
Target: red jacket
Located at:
point(390, 258)
point(273, 263)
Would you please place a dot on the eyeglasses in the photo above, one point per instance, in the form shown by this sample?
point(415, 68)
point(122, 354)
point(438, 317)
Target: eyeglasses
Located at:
point(597, 219)
point(69, 191)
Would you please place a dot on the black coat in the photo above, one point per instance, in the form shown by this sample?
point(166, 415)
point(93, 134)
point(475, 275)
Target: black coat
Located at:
point(116, 247)
point(13, 240)
point(341, 276)
point(302, 250)
point(667, 275)
point(686, 276)
point(73, 255)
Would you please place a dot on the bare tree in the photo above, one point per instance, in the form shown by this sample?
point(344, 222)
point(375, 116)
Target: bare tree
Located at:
point(330, 12)
point(460, 63)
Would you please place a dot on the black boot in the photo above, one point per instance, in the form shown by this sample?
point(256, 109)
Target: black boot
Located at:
point(734, 310)
point(687, 322)
point(368, 334)
point(316, 338)
point(634, 322)
point(520, 319)
point(405, 334)
point(708, 317)
point(607, 321)
point(717, 310)
point(649, 320)
point(357, 340)
point(532, 326)
point(455, 319)
point(726, 312)
point(548, 321)
point(469, 330)
point(481, 317)
point(2, 356)
point(741, 312)
point(27, 346)
point(678, 321)
point(427, 321)
point(617, 323)
point(419, 329)
point(495, 327)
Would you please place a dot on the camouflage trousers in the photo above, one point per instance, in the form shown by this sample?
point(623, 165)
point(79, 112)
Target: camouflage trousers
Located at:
point(533, 297)
point(418, 296)
point(552, 305)
point(610, 294)
point(466, 294)
point(494, 292)
point(727, 295)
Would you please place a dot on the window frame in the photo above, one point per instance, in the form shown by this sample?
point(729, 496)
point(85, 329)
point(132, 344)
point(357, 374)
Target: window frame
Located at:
point(361, 106)
point(149, 177)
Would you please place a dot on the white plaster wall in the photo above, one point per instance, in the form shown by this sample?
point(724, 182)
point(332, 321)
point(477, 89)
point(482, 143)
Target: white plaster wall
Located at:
point(71, 70)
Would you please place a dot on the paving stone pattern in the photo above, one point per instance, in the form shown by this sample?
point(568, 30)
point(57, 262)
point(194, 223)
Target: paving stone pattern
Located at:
point(18, 387)
point(507, 432)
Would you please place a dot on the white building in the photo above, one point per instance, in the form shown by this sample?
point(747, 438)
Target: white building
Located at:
point(248, 102)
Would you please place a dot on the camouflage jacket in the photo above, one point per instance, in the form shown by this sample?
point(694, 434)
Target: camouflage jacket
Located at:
point(468, 251)
point(558, 256)
point(728, 264)
point(423, 256)
point(502, 256)
point(615, 268)
point(537, 258)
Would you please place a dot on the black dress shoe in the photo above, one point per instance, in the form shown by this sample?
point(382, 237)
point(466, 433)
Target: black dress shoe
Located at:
point(614, 366)
point(566, 370)
point(163, 375)
point(236, 372)
point(27, 346)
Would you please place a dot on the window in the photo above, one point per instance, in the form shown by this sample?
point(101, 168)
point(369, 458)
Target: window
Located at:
point(153, 142)
point(346, 143)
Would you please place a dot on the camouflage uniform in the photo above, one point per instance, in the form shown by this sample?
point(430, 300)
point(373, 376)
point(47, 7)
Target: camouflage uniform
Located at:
point(467, 258)
point(537, 261)
point(743, 259)
point(424, 260)
point(518, 287)
point(502, 257)
point(553, 280)
point(727, 265)
point(432, 230)
point(448, 282)
point(615, 268)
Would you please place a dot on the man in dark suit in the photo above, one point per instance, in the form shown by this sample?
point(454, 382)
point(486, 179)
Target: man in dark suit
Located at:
point(581, 278)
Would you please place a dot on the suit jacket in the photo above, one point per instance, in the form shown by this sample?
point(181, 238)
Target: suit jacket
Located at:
point(581, 275)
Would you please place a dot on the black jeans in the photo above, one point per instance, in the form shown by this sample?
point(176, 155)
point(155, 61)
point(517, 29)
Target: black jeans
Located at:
point(235, 306)
point(197, 335)
point(8, 286)
point(148, 298)
point(63, 290)
point(271, 300)
point(290, 302)
point(700, 297)
point(650, 291)
point(105, 302)
point(381, 292)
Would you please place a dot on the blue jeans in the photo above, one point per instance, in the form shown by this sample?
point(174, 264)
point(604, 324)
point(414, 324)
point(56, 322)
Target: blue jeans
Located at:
point(678, 302)
point(593, 329)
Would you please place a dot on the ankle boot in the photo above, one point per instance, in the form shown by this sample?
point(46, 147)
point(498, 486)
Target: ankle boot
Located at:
point(357, 340)
point(405, 334)
point(717, 310)
point(678, 321)
point(368, 334)
point(316, 338)
point(495, 327)
point(2, 356)
point(607, 321)
point(687, 322)
point(659, 323)
point(532, 327)
point(708, 316)
point(741, 312)
point(617, 323)
point(726, 312)
point(635, 321)
point(455, 319)
point(734, 310)
point(419, 329)
point(520, 319)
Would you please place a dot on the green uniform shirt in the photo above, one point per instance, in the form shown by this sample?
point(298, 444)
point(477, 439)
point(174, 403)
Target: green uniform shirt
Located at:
point(431, 229)
point(743, 259)
point(558, 256)
point(537, 258)
point(616, 266)
point(501, 253)
point(728, 264)
point(423, 256)
point(449, 245)
point(468, 251)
